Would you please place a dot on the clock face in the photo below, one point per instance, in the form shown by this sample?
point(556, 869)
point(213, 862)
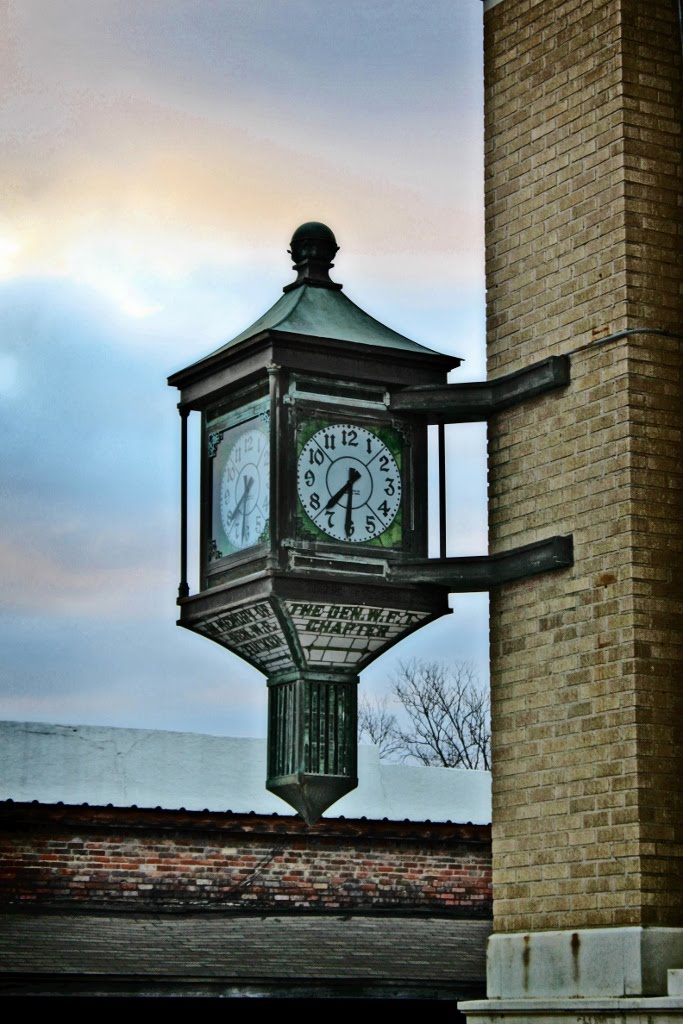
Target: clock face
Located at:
point(349, 482)
point(245, 488)
point(238, 466)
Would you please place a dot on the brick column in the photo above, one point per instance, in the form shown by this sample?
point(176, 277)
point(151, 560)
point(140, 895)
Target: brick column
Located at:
point(584, 234)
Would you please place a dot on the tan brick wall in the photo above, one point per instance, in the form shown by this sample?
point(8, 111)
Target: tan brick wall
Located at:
point(583, 113)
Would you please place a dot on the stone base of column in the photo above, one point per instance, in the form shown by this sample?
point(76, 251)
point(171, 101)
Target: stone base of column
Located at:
point(600, 962)
point(587, 976)
point(652, 1010)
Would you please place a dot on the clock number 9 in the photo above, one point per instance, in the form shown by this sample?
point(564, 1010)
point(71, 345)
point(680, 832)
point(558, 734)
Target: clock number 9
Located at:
point(309, 477)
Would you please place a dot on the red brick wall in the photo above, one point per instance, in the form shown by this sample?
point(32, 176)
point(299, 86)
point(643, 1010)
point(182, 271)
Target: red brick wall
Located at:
point(52, 856)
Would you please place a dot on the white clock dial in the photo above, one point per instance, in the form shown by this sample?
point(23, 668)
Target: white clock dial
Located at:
point(245, 489)
point(349, 482)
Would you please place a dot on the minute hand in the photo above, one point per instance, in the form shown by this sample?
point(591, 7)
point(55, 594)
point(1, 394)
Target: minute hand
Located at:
point(353, 476)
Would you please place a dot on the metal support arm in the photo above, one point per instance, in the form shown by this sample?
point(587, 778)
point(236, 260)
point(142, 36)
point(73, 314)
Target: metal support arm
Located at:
point(472, 402)
point(483, 572)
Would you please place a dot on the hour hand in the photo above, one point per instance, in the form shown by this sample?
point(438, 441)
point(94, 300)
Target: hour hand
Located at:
point(346, 489)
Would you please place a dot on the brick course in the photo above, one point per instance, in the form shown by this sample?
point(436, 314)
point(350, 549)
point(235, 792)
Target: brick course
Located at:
point(584, 229)
point(168, 859)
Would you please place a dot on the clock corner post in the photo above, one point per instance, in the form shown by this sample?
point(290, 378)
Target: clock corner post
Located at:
point(183, 586)
point(278, 384)
point(441, 441)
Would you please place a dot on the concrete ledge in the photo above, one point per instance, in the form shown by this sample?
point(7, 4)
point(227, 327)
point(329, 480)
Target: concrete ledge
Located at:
point(574, 1011)
point(589, 963)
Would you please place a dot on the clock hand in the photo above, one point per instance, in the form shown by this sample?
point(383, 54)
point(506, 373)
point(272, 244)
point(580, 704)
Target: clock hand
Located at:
point(348, 521)
point(346, 489)
point(248, 481)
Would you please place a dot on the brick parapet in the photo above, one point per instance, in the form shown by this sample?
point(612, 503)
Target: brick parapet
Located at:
point(108, 857)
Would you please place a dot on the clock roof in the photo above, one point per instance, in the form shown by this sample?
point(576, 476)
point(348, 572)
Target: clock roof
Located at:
point(316, 307)
point(320, 312)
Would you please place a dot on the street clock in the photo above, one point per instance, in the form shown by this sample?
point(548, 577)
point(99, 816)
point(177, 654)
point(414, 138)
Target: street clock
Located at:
point(313, 499)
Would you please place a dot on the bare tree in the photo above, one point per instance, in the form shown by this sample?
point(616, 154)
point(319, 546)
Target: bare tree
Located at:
point(377, 724)
point(446, 716)
point(449, 714)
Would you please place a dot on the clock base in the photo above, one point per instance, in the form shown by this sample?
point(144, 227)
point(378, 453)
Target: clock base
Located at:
point(312, 743)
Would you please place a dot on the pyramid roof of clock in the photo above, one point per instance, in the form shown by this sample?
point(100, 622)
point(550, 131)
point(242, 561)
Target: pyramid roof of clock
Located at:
point(316, 307)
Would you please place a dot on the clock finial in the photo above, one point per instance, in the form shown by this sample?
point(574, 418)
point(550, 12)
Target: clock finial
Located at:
point(313, 247)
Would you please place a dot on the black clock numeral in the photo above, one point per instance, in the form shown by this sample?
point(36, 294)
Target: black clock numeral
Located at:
point(329, 440)
point(389, 488)
point(309, 477)
point(316, 457)
point(370, 524)
point(315, 501)
point(350, 438)
point(368, 441)
point(248, 441)
point(384, 463)
point(330, 519)
point(350, 529)
point(384, 509)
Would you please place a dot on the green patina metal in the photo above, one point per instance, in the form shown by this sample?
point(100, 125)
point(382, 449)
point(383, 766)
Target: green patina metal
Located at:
point(313, 306)
point(318, 312)
point(312, 759)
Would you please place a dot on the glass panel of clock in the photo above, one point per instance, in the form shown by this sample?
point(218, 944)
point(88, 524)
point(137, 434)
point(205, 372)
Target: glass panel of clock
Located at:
point(239, 455)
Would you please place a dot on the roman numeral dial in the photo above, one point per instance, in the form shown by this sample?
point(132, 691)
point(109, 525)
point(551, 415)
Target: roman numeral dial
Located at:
point(349, 482)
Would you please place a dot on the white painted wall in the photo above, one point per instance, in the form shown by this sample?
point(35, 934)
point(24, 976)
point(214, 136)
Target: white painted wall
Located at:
point(150, 768)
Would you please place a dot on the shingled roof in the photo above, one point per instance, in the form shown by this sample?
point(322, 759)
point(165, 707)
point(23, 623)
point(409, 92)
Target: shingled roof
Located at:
point(229, 954)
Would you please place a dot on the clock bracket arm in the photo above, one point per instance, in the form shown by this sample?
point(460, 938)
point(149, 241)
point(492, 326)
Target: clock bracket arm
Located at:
point(475, 573)
point(475, 402)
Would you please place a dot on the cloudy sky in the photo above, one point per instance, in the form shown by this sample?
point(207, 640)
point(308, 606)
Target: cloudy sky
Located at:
point(156, 157)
